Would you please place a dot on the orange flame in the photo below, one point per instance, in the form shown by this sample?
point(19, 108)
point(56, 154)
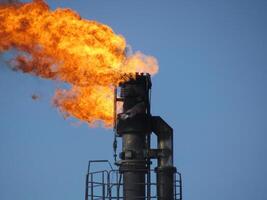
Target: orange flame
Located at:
point(60, 45)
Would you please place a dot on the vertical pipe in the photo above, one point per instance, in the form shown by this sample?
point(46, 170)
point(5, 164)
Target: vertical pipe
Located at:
point(134, 170)
point(133, 126)
point(165, 183)
point(165, 170)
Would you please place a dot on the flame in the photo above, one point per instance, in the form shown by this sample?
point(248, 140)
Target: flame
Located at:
point(60, 45)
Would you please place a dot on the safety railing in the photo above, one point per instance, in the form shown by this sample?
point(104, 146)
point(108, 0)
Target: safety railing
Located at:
point(108, 185)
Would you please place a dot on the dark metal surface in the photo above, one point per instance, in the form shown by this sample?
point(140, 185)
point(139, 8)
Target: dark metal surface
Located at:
point(165, 140)
point(134, 180)
point(165, 170)
point(133, 126)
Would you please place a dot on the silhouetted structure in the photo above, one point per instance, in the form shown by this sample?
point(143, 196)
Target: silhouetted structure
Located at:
point(134, 126)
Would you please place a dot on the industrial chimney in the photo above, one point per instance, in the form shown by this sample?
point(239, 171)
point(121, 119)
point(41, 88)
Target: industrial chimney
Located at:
point(134, 125)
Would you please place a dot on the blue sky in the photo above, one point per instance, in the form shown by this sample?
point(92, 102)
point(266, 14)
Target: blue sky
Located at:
point(211, 89)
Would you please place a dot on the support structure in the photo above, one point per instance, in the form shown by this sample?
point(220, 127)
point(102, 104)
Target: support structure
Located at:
point(134, 124)
point(165, 170)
